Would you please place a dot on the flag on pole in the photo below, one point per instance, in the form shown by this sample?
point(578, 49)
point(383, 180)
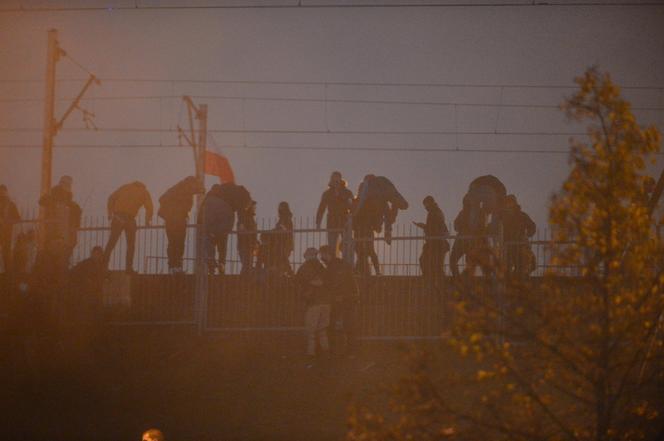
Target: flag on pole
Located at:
point(217, 164)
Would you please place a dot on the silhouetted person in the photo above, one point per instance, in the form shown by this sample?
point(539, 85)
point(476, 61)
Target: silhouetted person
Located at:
point(174, 207)
point(435, 246)
point(217, 218)
point(310, 281)
point(247, 237)
point(517, 228)
point(86, 281)
point(284, 238)
point(379, 198)
point(337, 200)
point(363, 232)
point(480, 205)
point(344, 296)
point(8, 217)
point(123, 206)
point(62, 215)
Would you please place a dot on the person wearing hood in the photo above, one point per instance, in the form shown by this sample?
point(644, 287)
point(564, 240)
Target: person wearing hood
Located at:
point(174, 207)
point(62, 215)
point(217, 218)
point(8, 217)
point(123, 206)
point(337, 200)
point(435, 245)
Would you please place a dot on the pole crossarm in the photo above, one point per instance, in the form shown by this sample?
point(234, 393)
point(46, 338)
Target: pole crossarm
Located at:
point(76, 104)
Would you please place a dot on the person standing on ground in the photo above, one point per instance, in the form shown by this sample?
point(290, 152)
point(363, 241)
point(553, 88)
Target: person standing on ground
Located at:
point(435, 246)
point(123, 206)
point(344, 294)
point(8, 217)
point(174, 207)
point(337, 200)
point(309, 278)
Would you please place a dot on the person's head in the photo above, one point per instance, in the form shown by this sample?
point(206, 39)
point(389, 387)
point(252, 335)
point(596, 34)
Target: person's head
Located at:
point(284, 209)
point(510, 201)
point(429, 202)
point(97, 254)
point(3, 191)
point(66, 182)
point(326, 253)
point(335, 179)
point(311, 254)
point(153, 435)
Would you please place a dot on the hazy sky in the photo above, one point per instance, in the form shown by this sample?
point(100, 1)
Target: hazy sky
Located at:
point(365, 55)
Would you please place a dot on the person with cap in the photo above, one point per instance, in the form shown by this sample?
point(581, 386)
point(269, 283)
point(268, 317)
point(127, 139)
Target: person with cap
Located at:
point(344, 294)
point(247, 237)
point(435, 245)
point(174, 207)
point(310, 281)
point(62, 216)
point(337, 200)
point(123, 206)
point(8, 217)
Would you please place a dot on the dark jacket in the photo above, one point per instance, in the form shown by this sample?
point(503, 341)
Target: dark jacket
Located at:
point(337, 201)
point(517, 225)
point(8, 212)
point(176, 203)
point(435, 226)
point(340, 282)
point(128, 199)
point(58, 206)
point(247, 237)
point(87, 276)
point(217, 215)
point(310, 271)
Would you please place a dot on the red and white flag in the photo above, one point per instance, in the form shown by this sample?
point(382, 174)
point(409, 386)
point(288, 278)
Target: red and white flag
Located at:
point(217, 164)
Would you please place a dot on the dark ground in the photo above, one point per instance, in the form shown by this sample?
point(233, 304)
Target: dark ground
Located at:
point(216, 387)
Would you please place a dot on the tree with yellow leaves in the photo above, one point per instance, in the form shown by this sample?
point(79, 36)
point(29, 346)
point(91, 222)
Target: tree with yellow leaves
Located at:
point(564, 358)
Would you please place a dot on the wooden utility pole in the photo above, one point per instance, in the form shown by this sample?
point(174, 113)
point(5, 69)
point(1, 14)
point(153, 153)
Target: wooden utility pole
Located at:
point(53, 55)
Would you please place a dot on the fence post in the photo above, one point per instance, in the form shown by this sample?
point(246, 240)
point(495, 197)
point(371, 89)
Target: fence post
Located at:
point(347, 243)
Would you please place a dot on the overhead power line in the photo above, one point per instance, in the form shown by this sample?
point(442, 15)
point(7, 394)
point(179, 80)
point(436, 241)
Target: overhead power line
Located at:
point(303, 4)
point(319, 101)
point(331, 83)
point(314, 132)
point(314, 149)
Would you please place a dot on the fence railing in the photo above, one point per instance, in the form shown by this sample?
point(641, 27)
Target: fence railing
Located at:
point(401, 258)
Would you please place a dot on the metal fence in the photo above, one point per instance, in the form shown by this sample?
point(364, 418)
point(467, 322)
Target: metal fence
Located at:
point(399, 304)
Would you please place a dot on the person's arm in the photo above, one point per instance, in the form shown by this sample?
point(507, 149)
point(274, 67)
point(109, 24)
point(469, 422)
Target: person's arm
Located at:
point(419, 225)
point(321, 210)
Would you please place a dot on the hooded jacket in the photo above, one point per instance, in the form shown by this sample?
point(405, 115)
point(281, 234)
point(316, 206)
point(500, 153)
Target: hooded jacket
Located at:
point(8, 212)
point(128, 199)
